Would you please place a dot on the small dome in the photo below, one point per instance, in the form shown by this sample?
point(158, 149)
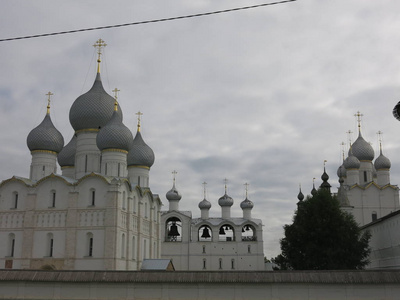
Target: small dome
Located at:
point(225, 200)
point(246, 203)
point(351, 162)
point(362, 149)
point(205, 204)
point(114, 135)
point(300, 196)
point(140, 154)
point(173, 194)
point(382, 162)
point(314, 190)
point(324, 176)
point(66, 157)
point(341, 171)
point(93, 109)
point(45, 137)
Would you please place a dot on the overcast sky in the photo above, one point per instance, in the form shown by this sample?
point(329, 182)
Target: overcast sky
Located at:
point(261, 96)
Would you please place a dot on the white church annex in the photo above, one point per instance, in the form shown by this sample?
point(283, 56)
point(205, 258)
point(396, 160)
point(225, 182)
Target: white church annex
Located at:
point(100, 214)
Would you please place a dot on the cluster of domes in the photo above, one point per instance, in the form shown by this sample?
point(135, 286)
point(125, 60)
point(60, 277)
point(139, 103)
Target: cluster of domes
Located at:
point(45, 137)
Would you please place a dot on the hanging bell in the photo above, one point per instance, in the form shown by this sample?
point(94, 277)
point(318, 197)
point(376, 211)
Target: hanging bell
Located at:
point(173, 230)
point(227, 228)
point(206, 233)
point(247, 227)
point(221, 230)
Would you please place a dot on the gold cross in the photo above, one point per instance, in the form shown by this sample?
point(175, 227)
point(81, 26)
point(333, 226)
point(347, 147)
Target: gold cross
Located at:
point(349, 136)
point(99, 45)
point(139, 114)
point(49, 94)
point(359, 115)
point(379, 133)
point(116, 93)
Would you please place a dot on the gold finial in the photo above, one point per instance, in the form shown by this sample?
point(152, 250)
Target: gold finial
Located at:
point(246, 188)
point(225, 182)
point(359, 115)
point(204, 189)
point(325, 161)
point(99, 45)
point(139, 114)
point(49, 94)
point(115, 91)
point(174, 176)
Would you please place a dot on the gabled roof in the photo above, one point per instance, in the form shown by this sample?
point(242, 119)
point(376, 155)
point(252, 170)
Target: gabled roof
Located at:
point(157, 265)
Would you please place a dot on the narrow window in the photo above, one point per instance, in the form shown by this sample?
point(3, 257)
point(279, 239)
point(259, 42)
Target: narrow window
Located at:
point(204, 264)
point(134, 204)
point(119, 169)
point(248, 249)
point(133, 248)
point(50, 245)
point(374, 216)
point(138, 181)
point(106, 169)
point(123, 246)
point(204, 249)
point(365, 176)
point(86, 163)
point(15, 200)
point(123, 201)
point(53, 199)
point(89, 243)
point(11, 244)
point(220, 263)
point(233, 264)
point(12, 247)
point(93, 198)
point(145, 210)
point(144, 249)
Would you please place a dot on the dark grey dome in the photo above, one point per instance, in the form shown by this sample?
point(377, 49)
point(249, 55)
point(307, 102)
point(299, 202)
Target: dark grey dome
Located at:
point(93, 109)
point(300, 196)
point(362, 149)
point(246, 203)
point(341, 171)
point(351, 162)
point(173, 194)
point(140, 154)
point(114, 135)
point(45, 137)
point(66, 157)
point(225, 200)
point(382, 162)
point(205, 204)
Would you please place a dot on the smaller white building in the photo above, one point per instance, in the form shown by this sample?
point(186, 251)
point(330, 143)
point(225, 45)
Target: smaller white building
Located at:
point(204, 244)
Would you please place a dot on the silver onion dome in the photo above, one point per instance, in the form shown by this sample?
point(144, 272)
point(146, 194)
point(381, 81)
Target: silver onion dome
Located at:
point(362, 149)
point(382, 162)
point(45, 137)
point(66, 157)
point(246, 203)
point(114, 135)
point(140, 154)
point(225, 200)
point(351, 162)
point(341, 171)
point(205, 204)
point(93, 109)
point(173, 194)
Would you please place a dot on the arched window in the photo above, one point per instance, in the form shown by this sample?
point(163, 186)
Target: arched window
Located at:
point(133, 248)
point(204, 264)
point(145, 210)
point(11, 244)
point(144, 249)
point(173, 230)
point(134, 204)
point(232, 264)
point(15, 200)
point(89, 244)
point(249, 233)
point(123, 200)
point(220, 263)
point(123, 245)
point(50, 245)
point(205, 233)
point(226, 233)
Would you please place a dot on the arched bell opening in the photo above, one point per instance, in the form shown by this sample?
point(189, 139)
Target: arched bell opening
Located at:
point(173, 230)
point(249, 233)
point(205, 233)
point(226, 233)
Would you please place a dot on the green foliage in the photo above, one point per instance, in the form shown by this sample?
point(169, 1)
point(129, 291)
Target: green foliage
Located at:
point(323, 237)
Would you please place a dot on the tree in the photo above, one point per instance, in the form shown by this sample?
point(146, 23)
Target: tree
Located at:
point(323, 237)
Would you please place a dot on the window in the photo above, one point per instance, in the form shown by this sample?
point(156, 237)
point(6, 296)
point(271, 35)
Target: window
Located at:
point(173, 230)
point(11, 244)
point(374, 216)
point(204, 264)
point(145, 210)
point(86, 163)
point(133, 248)
point(15, 200)
point(144, 249)
point(123, 201)
point(52, 199)
point(220, 263)
point(226, 233)
point(365, 176)
point(134, 204)
point(50, 245)
point(123, 246)
point(204, 249)
point(248, 249)
point(89, 241)
point(138, 181)
point(233, 264)
point(92, 197)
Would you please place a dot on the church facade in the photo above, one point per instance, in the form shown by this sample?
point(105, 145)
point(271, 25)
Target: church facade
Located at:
point(100, 213)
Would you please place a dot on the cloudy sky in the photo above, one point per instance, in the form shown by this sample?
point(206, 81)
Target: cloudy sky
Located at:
point(262, 96)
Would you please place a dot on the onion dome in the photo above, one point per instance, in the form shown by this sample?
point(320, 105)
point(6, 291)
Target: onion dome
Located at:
point(382, 162)
point(396, 111)
point(325, 184)
point(204, 204)
point(114, 135)
point(225, 200)
point(351, 162)
point(341, 171)
point(45, 136)
point(173, 194)
point(300, 196)
point(246, 203)
point(313, 191)
point(93, 109)
point(66, 157)
point(362, 149)
point(140, 154)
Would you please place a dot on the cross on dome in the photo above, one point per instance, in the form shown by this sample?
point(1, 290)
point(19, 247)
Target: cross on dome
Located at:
point(359, 115)
point(139, 114)
point(49, 94)
point(115, 91)
point(246, 188)
point(100, 44)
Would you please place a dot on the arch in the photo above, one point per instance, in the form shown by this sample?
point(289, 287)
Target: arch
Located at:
point(173, 230)
point(249, 233)
point(205, 233)
point(226, 233)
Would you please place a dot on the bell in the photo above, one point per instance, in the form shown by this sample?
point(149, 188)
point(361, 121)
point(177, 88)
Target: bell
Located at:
point(173, 230)
point(227, 228)
point(242, 229)
point(247, 227)
point(206, 233)
point(221, 230)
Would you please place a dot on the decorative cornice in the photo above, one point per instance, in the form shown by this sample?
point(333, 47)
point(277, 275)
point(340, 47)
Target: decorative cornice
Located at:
point(44, 151)
point(140, 167)
point(115, 150)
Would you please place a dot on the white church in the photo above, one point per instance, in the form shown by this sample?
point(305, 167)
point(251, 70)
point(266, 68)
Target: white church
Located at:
point(100, 213)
